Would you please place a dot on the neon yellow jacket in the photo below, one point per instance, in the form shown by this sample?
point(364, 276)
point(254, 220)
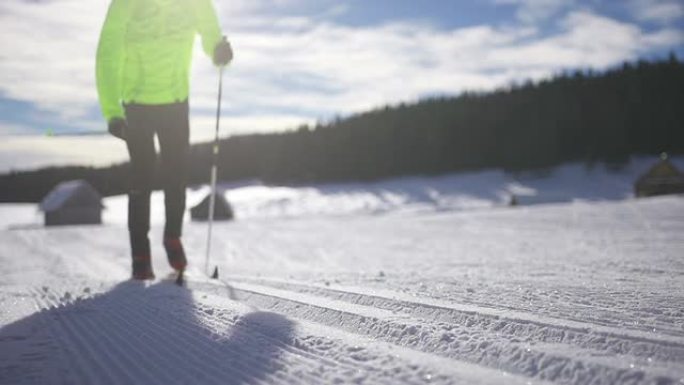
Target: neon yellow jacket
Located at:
point(145, 51)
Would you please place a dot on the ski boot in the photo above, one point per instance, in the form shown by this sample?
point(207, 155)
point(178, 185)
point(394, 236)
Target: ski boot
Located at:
point(142, 268)
point(175, 253)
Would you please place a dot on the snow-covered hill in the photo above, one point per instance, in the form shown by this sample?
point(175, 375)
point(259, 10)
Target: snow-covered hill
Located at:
point(589, 291)
point(454, 192)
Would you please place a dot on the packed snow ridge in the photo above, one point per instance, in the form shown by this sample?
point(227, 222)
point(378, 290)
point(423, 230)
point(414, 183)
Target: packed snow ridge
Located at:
point(314, 290)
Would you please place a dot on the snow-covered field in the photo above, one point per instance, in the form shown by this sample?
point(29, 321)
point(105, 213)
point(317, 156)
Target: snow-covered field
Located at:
point(411, 281)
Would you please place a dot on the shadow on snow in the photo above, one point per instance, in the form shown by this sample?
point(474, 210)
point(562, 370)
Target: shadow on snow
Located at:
point(136, 333)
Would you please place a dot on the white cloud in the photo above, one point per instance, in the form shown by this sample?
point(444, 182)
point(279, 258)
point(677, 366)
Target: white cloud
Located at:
point(532, 11)
point(587, 40)
point(336, 10)
point(13, 129)
point(204, 126)
point(661, 11)
point(291, 70)
point(49, 50)
point(358, 68)
point(23, 152)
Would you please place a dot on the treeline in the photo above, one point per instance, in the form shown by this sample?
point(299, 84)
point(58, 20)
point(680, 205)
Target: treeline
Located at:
point(576, 116)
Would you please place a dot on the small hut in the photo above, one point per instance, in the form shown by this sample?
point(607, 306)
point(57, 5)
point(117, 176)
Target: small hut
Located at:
point(662, 179)
point(513, 201)
point(222, 209)
point(72, 203)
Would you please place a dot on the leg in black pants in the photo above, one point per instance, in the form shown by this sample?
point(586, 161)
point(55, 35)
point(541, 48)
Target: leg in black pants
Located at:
point(170, 123)
point(174, 146)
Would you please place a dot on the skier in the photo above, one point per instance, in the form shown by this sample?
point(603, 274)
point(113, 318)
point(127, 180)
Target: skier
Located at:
point(143, 64)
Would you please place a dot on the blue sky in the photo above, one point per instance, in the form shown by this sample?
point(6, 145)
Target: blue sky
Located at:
point(303, 61)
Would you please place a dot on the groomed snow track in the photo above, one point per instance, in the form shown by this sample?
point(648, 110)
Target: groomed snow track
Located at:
point(574, 294)
point(268, 331)
point(539, 348)
point(159, 333)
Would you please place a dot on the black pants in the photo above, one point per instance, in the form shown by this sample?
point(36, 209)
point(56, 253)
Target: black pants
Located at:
point(170, 122)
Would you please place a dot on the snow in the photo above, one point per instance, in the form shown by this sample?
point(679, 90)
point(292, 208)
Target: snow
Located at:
point(405, 281)
point(77, 190)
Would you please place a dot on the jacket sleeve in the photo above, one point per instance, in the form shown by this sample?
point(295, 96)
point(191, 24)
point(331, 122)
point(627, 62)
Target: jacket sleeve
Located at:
point(110, 59)
point(208, 26)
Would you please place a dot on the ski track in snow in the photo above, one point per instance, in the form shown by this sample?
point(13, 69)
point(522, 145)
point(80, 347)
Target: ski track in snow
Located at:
point(159, 334)
point(526, 346)
point(583, 293)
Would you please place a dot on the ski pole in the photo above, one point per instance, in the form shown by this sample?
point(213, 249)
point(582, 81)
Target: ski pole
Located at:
point(214, 172)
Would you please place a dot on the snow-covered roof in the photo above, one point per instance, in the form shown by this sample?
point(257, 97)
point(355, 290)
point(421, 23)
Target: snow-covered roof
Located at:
point(75, 192)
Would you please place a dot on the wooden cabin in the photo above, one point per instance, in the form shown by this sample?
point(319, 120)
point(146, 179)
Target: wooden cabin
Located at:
point(222, 209)
point(72, 203)
point(662, 179)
